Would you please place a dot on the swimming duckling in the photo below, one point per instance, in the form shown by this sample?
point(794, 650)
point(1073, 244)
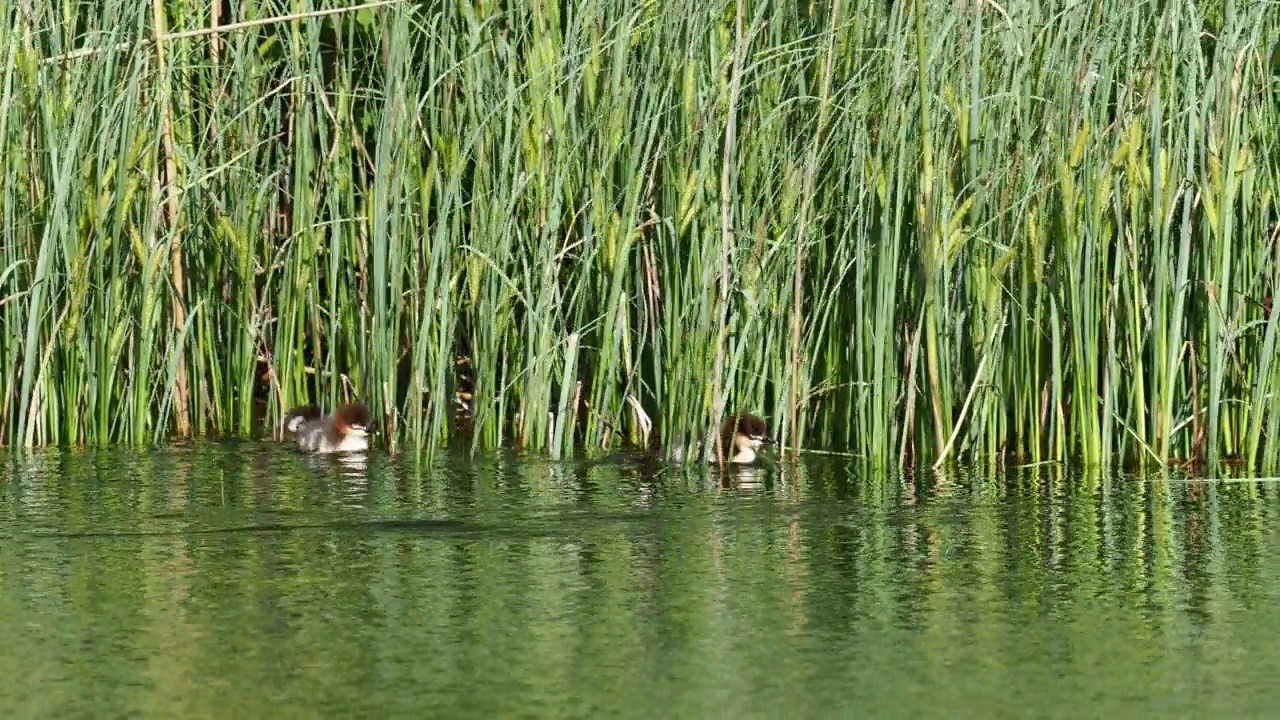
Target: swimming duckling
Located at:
point(741, 436)
point(294, 419)
point(346, 430)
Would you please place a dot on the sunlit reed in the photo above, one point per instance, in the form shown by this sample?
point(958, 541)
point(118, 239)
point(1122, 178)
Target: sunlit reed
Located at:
point(623, 213)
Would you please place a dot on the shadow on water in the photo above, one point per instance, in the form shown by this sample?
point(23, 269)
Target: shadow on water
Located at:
point(181, 580)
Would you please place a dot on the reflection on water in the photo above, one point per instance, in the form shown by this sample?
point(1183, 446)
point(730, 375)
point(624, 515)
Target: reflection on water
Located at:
point(182, 581)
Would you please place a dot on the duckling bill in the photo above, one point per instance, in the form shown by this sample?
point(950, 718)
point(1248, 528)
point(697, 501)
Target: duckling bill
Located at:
point(346, 430)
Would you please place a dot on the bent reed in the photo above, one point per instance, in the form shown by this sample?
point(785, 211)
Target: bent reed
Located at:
point(563, 226)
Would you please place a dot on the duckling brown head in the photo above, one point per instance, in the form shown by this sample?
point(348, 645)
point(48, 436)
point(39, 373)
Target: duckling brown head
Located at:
point(351, 419)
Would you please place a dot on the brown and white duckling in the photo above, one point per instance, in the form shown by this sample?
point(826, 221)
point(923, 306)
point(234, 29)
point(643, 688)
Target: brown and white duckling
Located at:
point(294, 419)
point(741, 436)
point(346, 430)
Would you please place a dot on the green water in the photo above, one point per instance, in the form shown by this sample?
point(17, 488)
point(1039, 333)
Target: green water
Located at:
point(242, 580)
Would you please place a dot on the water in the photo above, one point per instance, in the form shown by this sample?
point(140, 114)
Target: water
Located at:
point(220, 579)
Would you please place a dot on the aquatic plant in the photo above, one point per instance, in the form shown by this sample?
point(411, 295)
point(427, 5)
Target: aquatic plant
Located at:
point(913, 231)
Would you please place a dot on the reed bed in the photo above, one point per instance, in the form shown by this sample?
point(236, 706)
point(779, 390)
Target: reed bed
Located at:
point(918, 232)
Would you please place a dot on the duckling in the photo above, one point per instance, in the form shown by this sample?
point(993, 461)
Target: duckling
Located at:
point(346, 430)
point(296, 417)
point(741, 436)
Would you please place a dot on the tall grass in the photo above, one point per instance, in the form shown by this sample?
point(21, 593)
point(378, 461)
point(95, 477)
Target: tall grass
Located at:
point(917, 231)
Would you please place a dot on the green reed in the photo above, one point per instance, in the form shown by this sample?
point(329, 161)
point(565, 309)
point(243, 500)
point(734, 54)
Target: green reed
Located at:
point(633, 217)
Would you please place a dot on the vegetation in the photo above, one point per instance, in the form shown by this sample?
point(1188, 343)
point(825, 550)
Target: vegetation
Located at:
point(635, 215)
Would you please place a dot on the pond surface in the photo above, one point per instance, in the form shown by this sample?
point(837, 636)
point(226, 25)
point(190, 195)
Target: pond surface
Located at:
point(243, 580)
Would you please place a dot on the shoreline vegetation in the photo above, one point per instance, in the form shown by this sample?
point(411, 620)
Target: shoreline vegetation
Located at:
point(602, 219)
